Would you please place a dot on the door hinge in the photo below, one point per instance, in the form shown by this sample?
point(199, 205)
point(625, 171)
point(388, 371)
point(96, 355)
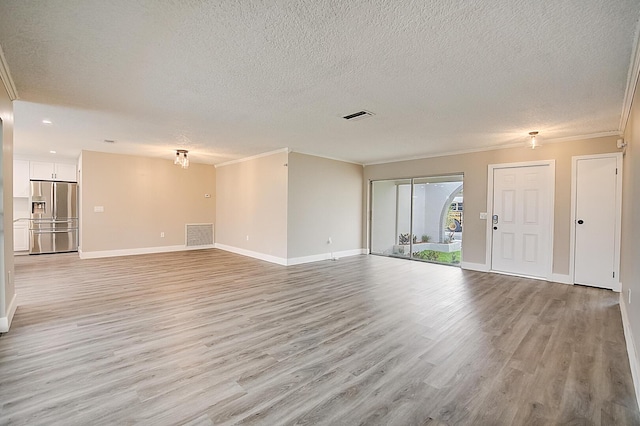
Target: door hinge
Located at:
point(614, 275)
point(616, 170)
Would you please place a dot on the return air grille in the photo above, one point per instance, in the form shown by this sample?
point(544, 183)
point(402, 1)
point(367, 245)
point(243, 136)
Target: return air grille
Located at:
point(199, 234)
point(358, 115)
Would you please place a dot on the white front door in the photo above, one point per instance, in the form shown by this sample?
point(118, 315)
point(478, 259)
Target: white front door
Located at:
point(595, 227)
point(521, 220)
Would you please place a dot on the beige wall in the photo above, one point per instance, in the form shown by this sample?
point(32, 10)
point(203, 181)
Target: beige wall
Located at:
point(142, 197)
point(475, 169)
point(252, 202)
point(630, 253)
point(7, 289)
point(325, 200)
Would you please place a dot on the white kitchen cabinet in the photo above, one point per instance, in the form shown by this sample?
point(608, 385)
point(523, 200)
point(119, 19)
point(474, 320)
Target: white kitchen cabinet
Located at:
point(20, 236)
point(65, 172)
point(41, 170)
point(21, 178)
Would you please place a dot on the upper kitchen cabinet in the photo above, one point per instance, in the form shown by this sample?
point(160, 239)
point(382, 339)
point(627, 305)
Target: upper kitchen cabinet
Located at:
point(21, 178)
point(41, 170)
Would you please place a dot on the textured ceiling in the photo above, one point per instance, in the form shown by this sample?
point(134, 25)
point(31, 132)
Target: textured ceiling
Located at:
point(229, 79)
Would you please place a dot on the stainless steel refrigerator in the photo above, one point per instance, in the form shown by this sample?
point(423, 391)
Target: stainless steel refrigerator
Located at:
point(53, 227)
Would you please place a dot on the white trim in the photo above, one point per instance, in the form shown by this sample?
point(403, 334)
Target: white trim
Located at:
point(498, 147)
point(253, 157)
point(551, 207)
point(561, 278)
point(136, 251)
point(254, 254)
point(480, 267)
point(632, 81)
point(632, 352)
point(5, 322)
point(5, 76)
point(615, 284)
point(327, 158)
point(326, 256)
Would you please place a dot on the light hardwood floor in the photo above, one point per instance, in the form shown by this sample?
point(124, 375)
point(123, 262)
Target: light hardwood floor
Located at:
point(209, 337)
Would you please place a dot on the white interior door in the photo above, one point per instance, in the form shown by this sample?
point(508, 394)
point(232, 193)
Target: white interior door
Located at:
point(521, 242)
point(595, 227)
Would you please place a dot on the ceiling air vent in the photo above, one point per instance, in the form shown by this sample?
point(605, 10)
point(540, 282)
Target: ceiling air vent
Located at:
point(358, 115)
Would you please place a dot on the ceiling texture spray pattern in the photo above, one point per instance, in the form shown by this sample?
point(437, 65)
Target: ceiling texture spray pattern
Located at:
point(232, 79)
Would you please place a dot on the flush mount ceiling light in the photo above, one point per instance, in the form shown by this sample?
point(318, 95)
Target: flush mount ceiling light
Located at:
point(534, 140)
point(47, 122)
point(181, 158)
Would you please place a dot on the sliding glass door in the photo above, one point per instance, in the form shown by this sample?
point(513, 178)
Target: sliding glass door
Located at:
point(418, 218)
point(391, 214)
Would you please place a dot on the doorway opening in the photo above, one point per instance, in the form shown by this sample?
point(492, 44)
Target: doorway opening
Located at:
point(418, 218)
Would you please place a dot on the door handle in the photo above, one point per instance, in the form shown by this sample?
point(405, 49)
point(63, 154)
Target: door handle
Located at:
point(580, 222)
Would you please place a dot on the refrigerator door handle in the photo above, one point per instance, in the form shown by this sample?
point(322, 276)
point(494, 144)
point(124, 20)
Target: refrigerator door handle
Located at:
point(52, 231)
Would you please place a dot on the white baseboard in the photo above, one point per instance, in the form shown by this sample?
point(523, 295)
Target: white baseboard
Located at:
point(480, 267)
point(5, 322)
point(617, 287)
point(256, 255)
point(326, 256)
point(561, 278)
point(634, 362)
point(136, 251)
point(294, 260)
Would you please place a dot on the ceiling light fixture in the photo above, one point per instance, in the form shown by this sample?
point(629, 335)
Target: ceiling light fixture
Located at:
point(47, 122)
point(52, 152)
point(181, 158)
point(534, 140)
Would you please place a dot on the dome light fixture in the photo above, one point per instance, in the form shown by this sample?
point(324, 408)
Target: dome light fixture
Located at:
point(181, 158)
point(534, 140)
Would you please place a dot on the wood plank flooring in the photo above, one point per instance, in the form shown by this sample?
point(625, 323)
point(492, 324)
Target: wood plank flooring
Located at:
point(208, 337)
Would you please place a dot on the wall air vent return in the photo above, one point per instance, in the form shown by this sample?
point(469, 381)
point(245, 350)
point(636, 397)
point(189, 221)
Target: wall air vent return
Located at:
point(358, 115)
point(199, 234)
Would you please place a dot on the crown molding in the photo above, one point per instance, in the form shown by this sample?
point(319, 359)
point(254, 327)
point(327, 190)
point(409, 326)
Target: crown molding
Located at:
point(632, 81)
point(5, 76)
point(327, 158)
point(497, 147)
point(253, 157)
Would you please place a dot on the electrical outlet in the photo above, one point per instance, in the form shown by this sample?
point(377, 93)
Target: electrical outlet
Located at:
point(329, 241)
point(162, 235)
point(247, 238)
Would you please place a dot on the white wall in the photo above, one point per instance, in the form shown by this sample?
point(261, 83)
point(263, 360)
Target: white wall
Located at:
point(630, 253)
point(7, 288)
point(141, 197)
point(324, 201)
point(251, 207)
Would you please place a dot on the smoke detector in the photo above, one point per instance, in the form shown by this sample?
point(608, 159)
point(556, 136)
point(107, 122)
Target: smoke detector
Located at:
point(360, 115)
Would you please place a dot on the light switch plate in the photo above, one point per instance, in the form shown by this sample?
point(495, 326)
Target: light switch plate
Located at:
point(98, 209)
point(483, 215)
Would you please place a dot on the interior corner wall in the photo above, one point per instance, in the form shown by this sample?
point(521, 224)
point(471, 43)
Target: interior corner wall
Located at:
point(141, 197)
point(474, 166)
point(7, 288)
point(325, 201)
point(251, 207)
point(630, 250)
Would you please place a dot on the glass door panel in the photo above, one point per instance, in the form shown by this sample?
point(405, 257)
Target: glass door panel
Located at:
point(391, 217)
point(437, 219)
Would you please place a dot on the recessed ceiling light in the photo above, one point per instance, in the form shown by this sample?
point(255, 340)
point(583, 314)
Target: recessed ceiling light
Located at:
point(52, 152)
point(47, 121)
